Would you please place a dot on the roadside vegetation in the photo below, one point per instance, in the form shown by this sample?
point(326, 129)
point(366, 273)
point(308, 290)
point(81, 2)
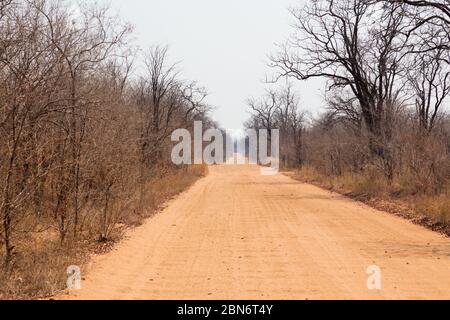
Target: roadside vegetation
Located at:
point(385, 135)
point(85, 125)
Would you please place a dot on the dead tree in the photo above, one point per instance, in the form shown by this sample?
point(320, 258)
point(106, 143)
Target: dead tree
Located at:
point(356, 45)
point(155, 88)
point(429, 77)
point(82, 48)
point(279, 109)
point(264, 110)
point(27, 97)
point(440, 9)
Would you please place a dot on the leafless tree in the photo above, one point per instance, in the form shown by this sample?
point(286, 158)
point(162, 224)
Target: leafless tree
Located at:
point(158, 96)
point(28, 80)
point(440, 9)
point(429, 77)
point(82, 48)
point(280, 109)
point(337, 41)
point(76, 125)
point(355, 45)
point(264, 110)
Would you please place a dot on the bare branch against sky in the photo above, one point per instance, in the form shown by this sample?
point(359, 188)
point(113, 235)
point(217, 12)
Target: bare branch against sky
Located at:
point(223, 44)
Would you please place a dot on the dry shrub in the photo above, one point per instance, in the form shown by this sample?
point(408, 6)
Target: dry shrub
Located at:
point(435, 207)
point(39, 272)
point(158, 190)
point(84, 144)
point(40, 264)
point(308, 174)
point(413, 168)
point(370, 186)
point(365, 185)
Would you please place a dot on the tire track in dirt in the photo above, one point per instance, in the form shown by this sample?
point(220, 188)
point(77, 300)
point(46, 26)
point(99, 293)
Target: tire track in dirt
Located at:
point(239, 235)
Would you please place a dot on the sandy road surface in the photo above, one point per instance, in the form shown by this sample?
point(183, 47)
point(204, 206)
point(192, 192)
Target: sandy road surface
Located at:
point(238, 235)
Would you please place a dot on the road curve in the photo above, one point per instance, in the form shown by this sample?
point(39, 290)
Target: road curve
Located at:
point(239, 235)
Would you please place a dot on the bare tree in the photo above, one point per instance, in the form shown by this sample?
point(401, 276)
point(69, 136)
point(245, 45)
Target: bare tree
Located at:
point(156, 88)
point(73, 122)
point(264, 110)
point(166, 102)
point(441, 9)
point(336, 40)
point(27, 96)
point(195, 95)
point(82, 48)
point(280, 109)
point(429, 77)
point(356, 45)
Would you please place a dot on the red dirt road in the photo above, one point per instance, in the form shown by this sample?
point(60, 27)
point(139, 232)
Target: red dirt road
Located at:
point(239, 235)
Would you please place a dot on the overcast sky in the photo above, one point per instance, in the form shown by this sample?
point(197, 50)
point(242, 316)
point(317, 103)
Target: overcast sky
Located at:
point(221, 44)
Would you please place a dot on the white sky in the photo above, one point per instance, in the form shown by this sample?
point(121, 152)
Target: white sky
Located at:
point(221, 44)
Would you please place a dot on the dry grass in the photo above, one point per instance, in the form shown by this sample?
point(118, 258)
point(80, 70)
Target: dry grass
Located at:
point(401, 197)
point(436, 207)
point(163, 189)
point(39, 269)
point(39, 273)
point(361, 186)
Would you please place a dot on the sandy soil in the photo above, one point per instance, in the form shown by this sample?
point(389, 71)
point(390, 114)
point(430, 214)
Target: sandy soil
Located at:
point(239, 235)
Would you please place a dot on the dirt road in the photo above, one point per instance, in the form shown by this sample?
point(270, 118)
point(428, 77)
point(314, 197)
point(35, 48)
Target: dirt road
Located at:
point(239, 235)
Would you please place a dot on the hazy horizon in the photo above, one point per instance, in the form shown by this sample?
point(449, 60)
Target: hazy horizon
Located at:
point(222, 45)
